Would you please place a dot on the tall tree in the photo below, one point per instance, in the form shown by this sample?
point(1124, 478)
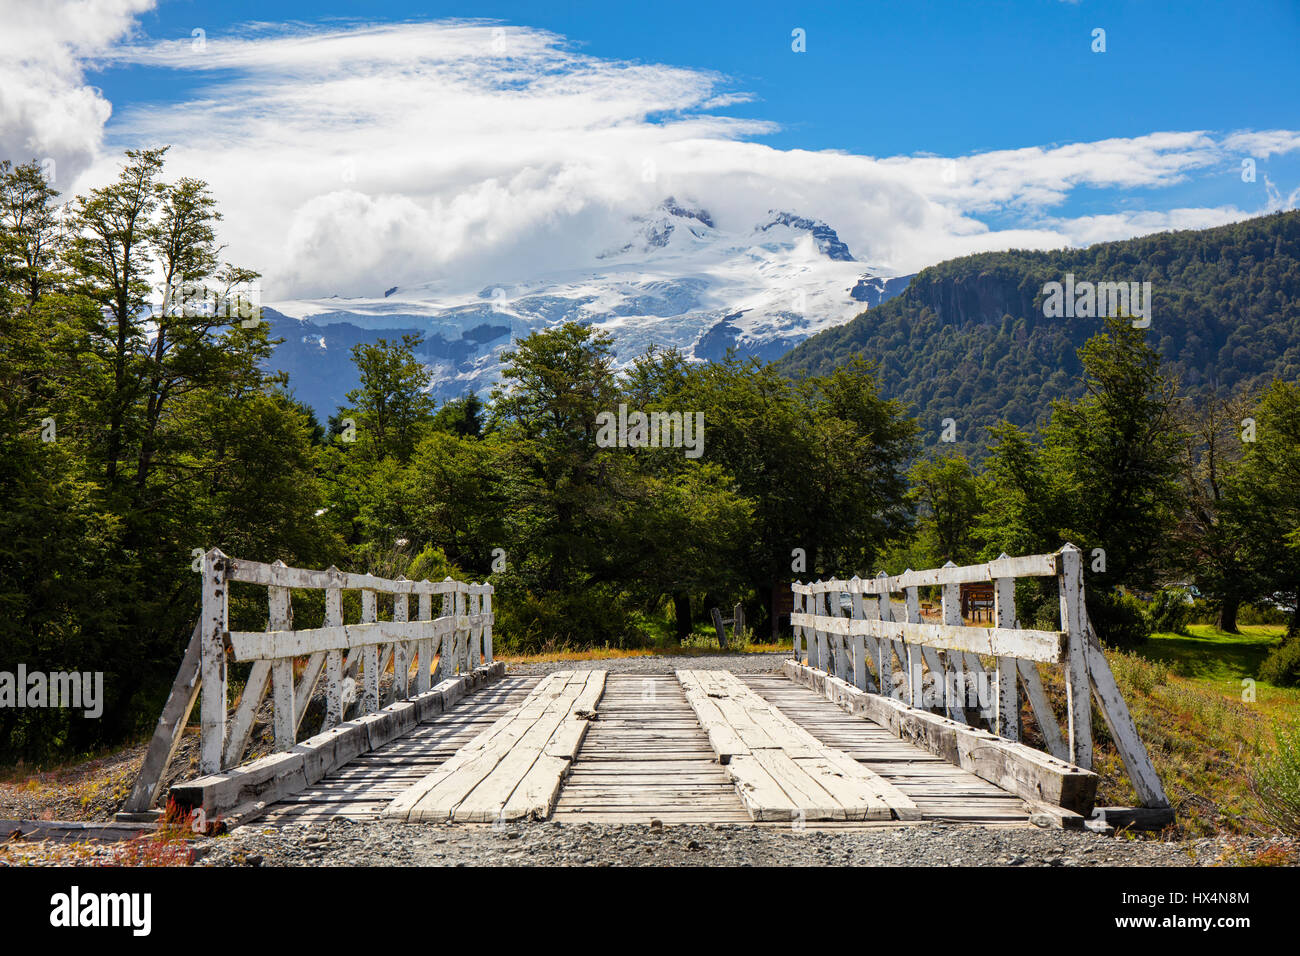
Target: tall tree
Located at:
point(392, 404)
point(1265, 496)
point(1211, 546)
point(947, 496)
point(1115, 455)
point(33, 234)
point(112, 255)
point(1104, 477)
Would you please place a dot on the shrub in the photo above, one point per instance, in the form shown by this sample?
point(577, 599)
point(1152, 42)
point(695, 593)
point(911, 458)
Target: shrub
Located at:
point(1254, 614)
point(1120, 619)
point(1169, 611)
point(1275, 782)
point(1282, 666)
point(528, 621)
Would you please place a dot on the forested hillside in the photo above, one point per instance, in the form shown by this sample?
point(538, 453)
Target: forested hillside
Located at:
point(968, 340)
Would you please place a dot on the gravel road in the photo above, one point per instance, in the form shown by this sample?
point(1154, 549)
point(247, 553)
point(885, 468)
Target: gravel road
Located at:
point(347, 843)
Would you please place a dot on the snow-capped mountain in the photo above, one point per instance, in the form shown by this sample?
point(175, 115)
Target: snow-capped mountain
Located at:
point(678, 280)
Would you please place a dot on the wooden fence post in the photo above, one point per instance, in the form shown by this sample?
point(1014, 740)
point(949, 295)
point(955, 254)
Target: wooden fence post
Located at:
point(818, 636)
point(475, 631)
point(1008, 700)
point(861, 676)
point(1069, 573)
point(487, 628)
point(796, 630)
point(212, 709)
point(838, 641)
point(334, 658)
point(286, 720)
point(446, 661)
point(884, 646)
point(718, 627)
point(954, 684)
point(460, 652)
point(915, 692)
point(401, 649)
point(424, 647)
point(370, 655)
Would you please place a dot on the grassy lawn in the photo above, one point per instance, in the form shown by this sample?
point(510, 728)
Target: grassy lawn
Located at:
point(1218, 661)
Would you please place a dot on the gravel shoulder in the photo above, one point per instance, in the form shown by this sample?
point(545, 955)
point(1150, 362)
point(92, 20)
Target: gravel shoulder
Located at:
point(348, 843)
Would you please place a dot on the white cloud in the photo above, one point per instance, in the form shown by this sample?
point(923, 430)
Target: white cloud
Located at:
point(353, 157)
point(47, 112)
point(1263, 144)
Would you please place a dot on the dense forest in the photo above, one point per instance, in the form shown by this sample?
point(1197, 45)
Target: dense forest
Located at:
point(140, 427)
point(968, 339)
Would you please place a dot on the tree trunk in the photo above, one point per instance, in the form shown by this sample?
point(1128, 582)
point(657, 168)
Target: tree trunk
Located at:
point(1228, 608)
point(682, 609)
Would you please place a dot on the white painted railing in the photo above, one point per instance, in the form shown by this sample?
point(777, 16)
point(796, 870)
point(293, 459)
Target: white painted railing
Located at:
point(462, 633)
point(885, 647)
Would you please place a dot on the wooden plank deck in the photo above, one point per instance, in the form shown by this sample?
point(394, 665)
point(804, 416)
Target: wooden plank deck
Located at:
point(781, 771)
point(943, 792)
point(366, 785)
point(646, 758)
point(512, 770)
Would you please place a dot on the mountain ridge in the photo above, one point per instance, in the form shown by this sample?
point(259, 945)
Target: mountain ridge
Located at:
point(679, 279)
point(968, 340)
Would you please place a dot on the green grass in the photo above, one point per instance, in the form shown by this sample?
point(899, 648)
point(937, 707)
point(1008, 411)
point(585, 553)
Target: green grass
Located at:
point(1220, 662)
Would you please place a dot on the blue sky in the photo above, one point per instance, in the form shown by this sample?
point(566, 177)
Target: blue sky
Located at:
point(1051, 142)
point(895, 77)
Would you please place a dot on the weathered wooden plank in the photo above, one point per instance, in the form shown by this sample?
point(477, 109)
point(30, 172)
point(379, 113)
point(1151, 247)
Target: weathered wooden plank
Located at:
point(1043, 714)
point(277, 575)
point(1077, 686)
point(1046, 646)
point(513, 769)
point(816, 781)
point(171, 725)
point(212, 710)
point(1115, 711)
point(1006, 718)
point(1011, 766)
point(1033, 565)
point(282, 774)
point(269, 645)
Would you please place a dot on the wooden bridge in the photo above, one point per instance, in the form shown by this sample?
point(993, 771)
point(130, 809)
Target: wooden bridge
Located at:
point(878, 718)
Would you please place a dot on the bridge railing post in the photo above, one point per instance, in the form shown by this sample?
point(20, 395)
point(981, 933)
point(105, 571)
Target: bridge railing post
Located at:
point(475, 630)
point(401, 649)
point(461, 652)
point(424, 647)
point(1078, 689)
point(885, 647)
point(796, 607)
point(915, 658)
point(334, 657)
point(285, 718)
point(370, 654)
point(212, 709)
point(1008, 699)
point(487, 627)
